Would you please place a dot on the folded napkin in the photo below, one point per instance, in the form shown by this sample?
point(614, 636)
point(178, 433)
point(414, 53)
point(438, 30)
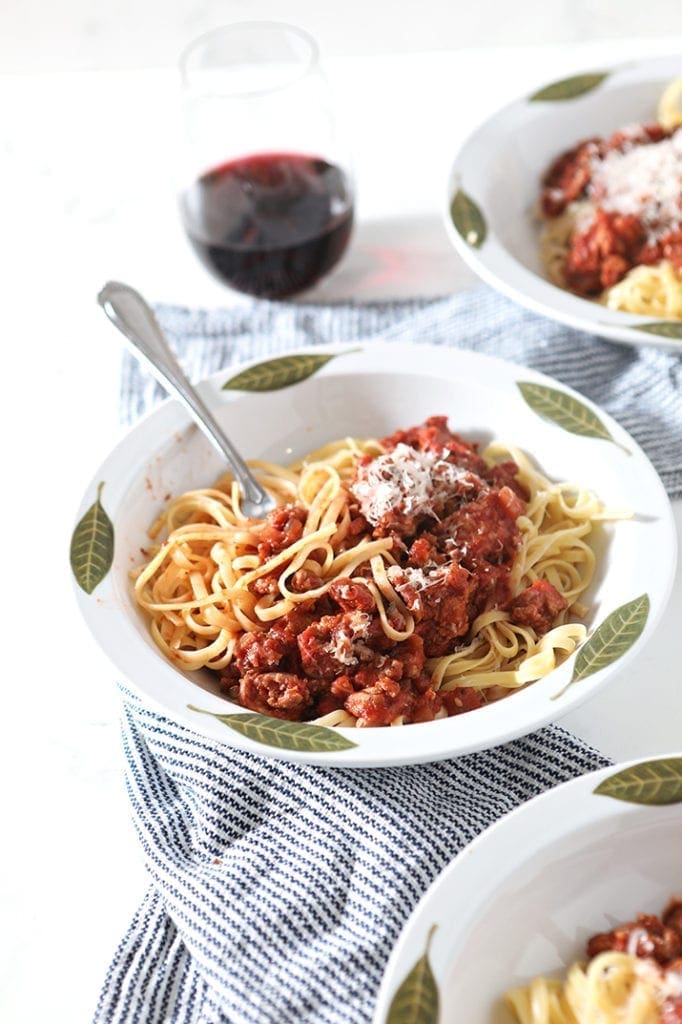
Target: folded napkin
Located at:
point(278, 890)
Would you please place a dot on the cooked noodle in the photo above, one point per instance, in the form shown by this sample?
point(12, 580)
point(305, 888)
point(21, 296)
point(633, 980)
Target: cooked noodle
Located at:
point(669, 113)
point(633, 976)
point(195, 588)
point(652, 291)
point(613, 988)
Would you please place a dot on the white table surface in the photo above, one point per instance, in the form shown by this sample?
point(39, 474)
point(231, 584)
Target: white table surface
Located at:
point(87, 163)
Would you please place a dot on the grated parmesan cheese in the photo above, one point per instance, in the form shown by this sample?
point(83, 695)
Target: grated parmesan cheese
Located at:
point(672, 983)
point(639, 939)
point(355, 627)
point(643, 180)
point(666, 983)
point(405, 479)
point(418, 579)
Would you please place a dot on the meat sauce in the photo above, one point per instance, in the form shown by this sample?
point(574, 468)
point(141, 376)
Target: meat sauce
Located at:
point(452, 524)
point(657, 940)
point(613, 242)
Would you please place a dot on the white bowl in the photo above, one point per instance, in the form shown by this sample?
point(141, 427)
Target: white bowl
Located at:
point(522, 899)
point(500, 166)
point(372, 390)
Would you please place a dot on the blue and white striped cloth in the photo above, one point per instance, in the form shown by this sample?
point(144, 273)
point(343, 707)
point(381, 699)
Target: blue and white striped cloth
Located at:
point(640, 387)
point(277, 891)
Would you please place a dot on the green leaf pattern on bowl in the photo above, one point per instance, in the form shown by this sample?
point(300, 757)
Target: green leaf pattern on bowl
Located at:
point(417, 999)
point(663, 328)
point(468, 219)
point(276, 732)
point(610, 640)
point(650, 782)
point(281, 372)
point(565, 411)
point(92, 546)
point(569, 88)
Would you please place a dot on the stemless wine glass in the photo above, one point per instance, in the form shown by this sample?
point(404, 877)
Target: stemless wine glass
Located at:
point(268, 196)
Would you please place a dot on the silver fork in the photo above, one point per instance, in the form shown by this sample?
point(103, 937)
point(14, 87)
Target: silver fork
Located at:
point(134, 318)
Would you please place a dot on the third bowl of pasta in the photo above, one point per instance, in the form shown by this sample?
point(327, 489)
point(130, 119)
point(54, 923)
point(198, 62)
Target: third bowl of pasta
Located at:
point(566, 911)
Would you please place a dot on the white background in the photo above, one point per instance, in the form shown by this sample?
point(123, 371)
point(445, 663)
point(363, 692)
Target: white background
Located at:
point(94, 34)
point(89, 134)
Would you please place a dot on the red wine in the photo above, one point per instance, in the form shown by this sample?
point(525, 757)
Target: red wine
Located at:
point(271, 224)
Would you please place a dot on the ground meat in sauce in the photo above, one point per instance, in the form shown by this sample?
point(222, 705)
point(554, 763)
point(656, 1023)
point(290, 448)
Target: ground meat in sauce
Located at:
point(304, 580)
point(262, 651)
point(612, 243)
point(351, 596)
point(281, 528)
point(647, 936)
point(329, 646)
point(672, 916)
point(379, 704)
point(602, 254)
point(282, 694)
point(462, 699)
point(263, 585)
point(332, 653)
point(446, 610)
point(538, 606)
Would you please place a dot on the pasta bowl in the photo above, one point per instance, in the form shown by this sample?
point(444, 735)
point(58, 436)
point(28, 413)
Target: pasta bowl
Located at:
point(282, 409)
point(521, 901)
point(494, 186)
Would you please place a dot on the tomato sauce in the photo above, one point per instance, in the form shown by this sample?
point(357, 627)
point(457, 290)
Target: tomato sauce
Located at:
point(658, 940)
point(452, 524)
point(602, 251)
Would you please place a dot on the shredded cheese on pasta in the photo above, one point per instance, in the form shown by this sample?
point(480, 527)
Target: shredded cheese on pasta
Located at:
point(647, 181)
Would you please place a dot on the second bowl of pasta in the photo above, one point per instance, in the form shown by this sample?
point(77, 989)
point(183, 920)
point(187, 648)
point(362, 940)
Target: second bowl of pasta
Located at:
point(568, 201)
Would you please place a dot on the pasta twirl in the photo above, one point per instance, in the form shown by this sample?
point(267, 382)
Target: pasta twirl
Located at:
point(633, 976)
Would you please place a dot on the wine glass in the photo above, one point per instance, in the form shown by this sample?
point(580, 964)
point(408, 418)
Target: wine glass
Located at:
point(268, 199)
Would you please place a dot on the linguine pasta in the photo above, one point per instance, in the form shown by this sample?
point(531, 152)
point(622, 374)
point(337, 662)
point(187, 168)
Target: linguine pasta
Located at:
point(210, 581)
point(633, 976)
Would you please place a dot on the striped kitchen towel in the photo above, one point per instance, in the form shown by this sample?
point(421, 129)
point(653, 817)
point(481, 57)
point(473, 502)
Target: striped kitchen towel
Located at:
point(640, 387)
point(277, 891)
